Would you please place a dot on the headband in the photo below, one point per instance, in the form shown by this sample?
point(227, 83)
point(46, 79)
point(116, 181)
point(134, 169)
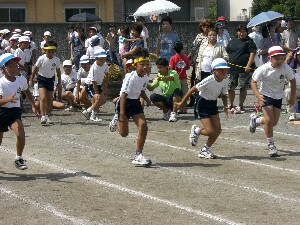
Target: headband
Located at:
point(141, 59)
point(50, 47)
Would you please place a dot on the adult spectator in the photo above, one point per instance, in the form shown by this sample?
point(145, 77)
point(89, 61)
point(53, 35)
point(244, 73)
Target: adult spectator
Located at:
point(256, 36)
point(145, 32)
point(265, 43)
point(289, 36)
point(222, 19)
point(77, 46)
point(112, 40)
point(223, 37)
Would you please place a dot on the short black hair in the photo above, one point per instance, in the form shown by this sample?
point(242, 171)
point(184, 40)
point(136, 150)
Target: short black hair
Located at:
point(144, 53)
point(265, 31)
point(112, 25)
point(241, 27)
point(178, 47)
point(137, 27)
point(50, 43)
point(162, 62)
point(166, 19)
point(140, 19)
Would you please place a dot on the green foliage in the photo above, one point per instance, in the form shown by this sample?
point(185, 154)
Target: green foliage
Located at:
point(213, 10)
point(285, 7)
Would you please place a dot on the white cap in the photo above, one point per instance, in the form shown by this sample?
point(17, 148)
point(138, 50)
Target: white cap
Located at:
point(4, 58)
point(27, 33)
point(16, 31)
point(219, 63)
point(47, 33)
point(100, 53)
point(283, 23)
point(5, 31)
point(13, 38)
point(84, 59)
point(275, 50)
point(129, 62)
point(67, 63)
point(24, 38)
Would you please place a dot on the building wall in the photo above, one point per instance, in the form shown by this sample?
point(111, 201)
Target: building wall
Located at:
point(236, 13)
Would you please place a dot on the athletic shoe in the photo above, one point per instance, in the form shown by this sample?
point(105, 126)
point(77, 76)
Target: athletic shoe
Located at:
point(205, 153)
point(95, 118)
point(273, 150)
point(141, 160)
point(71, 109)
point(193, 138)
point(253, 125)
point(167, 115)
point(43, 120)
point(237, 110)
point(48, 121)
point(293, 117)
point(86, 114)
point(173, 117)
point(113, 123)
point(20, 164)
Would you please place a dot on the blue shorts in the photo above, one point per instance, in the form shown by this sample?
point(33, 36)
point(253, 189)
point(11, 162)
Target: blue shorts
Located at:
point(166, 100)
point(132, 107)
point(8, 116)
point(89, 88)
point(277, 103)
point(205, 108)
point(47, 83)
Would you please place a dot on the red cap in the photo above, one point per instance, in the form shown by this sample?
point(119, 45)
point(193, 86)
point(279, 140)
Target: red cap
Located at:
point(221, 18)
point(275, 50)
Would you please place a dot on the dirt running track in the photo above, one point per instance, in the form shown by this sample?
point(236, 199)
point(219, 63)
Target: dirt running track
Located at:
point(80, 173)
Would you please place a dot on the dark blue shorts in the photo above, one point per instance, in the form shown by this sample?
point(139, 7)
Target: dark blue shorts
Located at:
point(89, 88)
point(8, 116)
point(274, 102)
point(205, 108)
point(47, 83)
point(132, 107)
point(166, 100)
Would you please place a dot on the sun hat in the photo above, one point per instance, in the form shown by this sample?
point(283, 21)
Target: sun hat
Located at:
point(94, 39)
point(84, 59)
point(16, 31)
point(67, 63)
point(24, 39)
point(100, 53)
point(47, 33)
point(275, 50)
point(4, 58)
point(219, 63)
point(5, 31)
point(93, 28)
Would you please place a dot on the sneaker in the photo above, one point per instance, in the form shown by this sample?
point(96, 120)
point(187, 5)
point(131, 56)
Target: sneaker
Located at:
point(43, 120)
point(141, 160)
point(113, 123)
point(273, 150)
point(48, 121)
point(205, 153)
point(86, 114)
point(71, 109)
point(193, 138)
point(293, 117)
point(237, 110)
point(20, 164)
point(253, 125)
point(167, 115)
point(173, 117)
point(95, 118)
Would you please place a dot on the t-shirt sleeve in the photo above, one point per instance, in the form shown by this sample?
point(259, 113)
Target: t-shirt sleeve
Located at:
point(258, 73)
point(289, 72)
point(172, 63)
point(155, 83)
point(39, 61)
point(24, 84)
point(252, 46)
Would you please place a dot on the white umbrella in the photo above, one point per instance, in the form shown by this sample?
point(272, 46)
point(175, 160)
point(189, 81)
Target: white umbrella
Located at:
point(156, 7)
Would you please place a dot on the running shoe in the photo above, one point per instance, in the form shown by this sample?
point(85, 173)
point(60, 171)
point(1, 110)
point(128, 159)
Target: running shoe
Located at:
point(173, 117)
point(20, 164)
point(95, 118)
point(206, 153)
point(86, 114)
point(113, 123)
point(140, 160)
point(193, 138)
point(273, 150)
point(253, 125)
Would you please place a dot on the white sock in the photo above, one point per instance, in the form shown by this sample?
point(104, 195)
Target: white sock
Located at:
point(197, 130)
point(18, 157)
point(89, 109)
point(93, 113)
point(270, 140)
point(258, 120)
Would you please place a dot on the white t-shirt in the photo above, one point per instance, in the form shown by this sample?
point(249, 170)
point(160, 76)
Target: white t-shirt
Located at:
point(91, 50)
point(145, 35)
point(28, 51)
point(96, 73)
point(8, 88)
point(82, 75)
point(22, 54)
point(42, 44)
point(207, 59)
point(210, 89)
point(69, 81)
point(47, 67)
point(273, 79)
point(134, 84)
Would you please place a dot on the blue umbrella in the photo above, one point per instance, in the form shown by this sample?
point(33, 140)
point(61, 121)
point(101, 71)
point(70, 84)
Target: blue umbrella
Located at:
point(263, 18)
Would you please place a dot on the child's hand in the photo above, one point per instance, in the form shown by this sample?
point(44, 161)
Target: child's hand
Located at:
point(179, 105)
point(148, 103)
point(227, 112)
point(12, 99)
point(292, 101)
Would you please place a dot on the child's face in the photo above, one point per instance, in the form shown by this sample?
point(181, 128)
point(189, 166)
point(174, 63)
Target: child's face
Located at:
point(85, 66)
point(100, 61)
point(67, 69)
point(166, 26)
point(163, 70)
point(221, 73)
point(142, 67)
point(92, 32)
point(24, 45)
point(134, 33)
point(47, 37)
point(11, 68)
point(50, 53)
point(277, 60)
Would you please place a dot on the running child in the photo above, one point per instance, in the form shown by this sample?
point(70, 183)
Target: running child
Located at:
point(95, 85)
point(46, 66)
point(272, 76)
point(11, 86)
point(81, 95)
point(129, 105)
point(206, 108)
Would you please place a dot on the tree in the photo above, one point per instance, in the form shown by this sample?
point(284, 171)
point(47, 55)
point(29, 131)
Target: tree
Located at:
point(213, 10)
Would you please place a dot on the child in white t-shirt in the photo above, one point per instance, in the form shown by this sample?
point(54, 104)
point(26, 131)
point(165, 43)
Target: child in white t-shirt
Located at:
point(272, 76)
point(96, 84)
point(11, 86)
point(46, 67)
point(47, 37)
point(81, 96)
point(21, 52)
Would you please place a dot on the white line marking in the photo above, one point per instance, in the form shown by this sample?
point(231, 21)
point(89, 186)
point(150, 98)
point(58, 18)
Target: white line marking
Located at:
point(47, 207)
point(131, 191)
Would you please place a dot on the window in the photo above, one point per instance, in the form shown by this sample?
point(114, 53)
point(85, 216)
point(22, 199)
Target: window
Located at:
point(72, 9)
point(12, 14)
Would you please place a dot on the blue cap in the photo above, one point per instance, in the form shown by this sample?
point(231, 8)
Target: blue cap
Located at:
point(219, 63)
point(99, 53)
point(4, 58)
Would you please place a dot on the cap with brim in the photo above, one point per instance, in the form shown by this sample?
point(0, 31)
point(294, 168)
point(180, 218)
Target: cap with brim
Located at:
point(221, 18)
point(129, 62)
point(101, 53)
point(4, 58)
point(47, 33)
point(275, 50)
point(94, 39)
point(93, 28)
point(84, 59)
point(219, 63)
point(5, 31)
point(67, 63)
point(27, 33)
point(24, 39)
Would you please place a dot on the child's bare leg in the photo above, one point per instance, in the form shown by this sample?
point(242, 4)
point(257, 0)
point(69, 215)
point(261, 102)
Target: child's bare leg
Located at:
point(122, 127)
point(43, 100)
point(211, 128)
point(1, 137)
point(18, 129)
point(271, 117)
point(96, 102)
point(49, 102)
point(141, 123)
point(83, 98)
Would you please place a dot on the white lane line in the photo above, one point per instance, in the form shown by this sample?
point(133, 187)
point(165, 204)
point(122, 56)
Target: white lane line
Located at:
point(45, 207)
point(131, 191)
point(247, 188)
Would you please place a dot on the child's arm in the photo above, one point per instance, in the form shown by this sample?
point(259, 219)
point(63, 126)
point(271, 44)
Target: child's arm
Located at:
point(59, 86)
point(34, 72)
point(3, 101)
point(131, 39)
point(186, 97)
point(145, 97)
point(292, 99)
point(253, 84)
point(95, 87)
point(28, 94)
point(123, 116)
point(78, 83)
